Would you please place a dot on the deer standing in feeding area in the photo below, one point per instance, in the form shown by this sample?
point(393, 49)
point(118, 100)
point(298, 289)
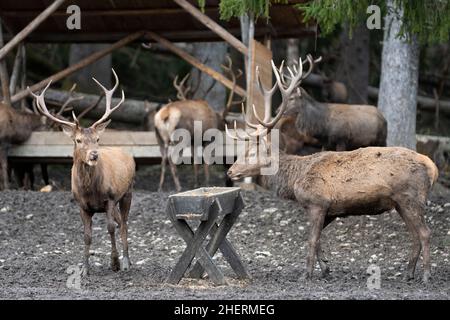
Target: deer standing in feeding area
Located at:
point(102, 178)
point(15, 128)
point(367, 181)
point(337, 126)
point(182, 114)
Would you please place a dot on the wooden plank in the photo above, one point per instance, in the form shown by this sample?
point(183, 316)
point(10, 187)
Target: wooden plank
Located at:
point(214, 26)
point(141, 144)
point(261, 57)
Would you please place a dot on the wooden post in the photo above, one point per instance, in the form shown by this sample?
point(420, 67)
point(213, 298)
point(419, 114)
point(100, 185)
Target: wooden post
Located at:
point(196, 63)
point(4, 78)
point(214, 26)
point(16, 69)
point(81, 64)
point(29, 28)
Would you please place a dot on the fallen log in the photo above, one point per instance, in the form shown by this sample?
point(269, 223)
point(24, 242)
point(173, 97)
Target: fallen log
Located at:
point(132, 111)
point(424, 103)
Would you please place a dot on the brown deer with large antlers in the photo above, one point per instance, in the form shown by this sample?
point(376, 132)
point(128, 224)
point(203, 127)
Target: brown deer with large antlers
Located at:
point(337, 126)
point(182, 114)
point(367, 181)
point(102, 178)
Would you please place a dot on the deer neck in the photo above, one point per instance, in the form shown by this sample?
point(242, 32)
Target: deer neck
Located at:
point(289, 172)
point(86, 177)
point(24, 124)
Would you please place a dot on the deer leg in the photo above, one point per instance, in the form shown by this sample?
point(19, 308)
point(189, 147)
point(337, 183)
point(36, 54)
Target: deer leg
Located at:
point(125, 204)
point(416, 247)
point(424, 235)
point(206, 170)
point(44, 171)
point(316, 218)
point(320, 256)
point(87, 223)
point(196, 175)
point(4, 165)
point(173, 170)
point(415, 215)
point(163, 167)
point(115, 264)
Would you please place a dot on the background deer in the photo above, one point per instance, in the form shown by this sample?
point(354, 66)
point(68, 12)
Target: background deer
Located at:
point(367, 181)
point(102, 178)
point(24, 172)
point(15, 128)
point(182, 114)
point(336, 126)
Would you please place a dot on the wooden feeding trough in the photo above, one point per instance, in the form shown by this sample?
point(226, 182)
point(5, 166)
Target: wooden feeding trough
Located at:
point(207, 205)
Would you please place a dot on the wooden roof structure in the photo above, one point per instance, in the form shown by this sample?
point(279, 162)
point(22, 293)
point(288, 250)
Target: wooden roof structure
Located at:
point(110, 21)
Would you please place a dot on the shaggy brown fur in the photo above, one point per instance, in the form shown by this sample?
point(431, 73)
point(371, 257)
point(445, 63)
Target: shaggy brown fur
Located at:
point(338, 126)
point(15, 128)
point(293, 142)
point(367, 181)
point(102, 178)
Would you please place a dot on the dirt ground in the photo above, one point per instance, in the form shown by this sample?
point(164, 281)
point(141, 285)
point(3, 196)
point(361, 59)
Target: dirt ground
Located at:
point(41, 236)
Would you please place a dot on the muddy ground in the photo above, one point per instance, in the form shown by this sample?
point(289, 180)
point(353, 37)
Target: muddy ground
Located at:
point(41, 237)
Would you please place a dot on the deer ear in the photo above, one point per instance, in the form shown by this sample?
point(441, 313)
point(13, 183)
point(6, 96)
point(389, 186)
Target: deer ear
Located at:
point(102, 126)
point(68, 130)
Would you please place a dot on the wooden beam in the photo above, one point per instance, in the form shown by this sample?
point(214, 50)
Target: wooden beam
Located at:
point(214, 26)
point(29, 28)
point(79, 65)
point(105, 13)
point(4, 77)
point(16, 69)
point(196, 63)
point(188, 35)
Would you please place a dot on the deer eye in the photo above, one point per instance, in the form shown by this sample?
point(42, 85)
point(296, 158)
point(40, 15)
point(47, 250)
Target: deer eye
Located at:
point(78, 140)
point(98, 139)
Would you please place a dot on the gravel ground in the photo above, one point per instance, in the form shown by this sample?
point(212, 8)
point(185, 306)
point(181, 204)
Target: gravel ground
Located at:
point(41, 237)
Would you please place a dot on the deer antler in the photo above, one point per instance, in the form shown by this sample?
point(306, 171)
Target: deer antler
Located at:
point(69, 99)
point(40, 103)
point(108, 96)
point(295, 78)
point(181, 91)
point(228, 68)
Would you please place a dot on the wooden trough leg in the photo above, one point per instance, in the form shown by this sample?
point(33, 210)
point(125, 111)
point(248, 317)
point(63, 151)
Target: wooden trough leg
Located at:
point(219, 241)
point(194, 243)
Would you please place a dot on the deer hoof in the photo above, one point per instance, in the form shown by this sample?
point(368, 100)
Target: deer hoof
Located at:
point(115, 264)
point(125, 264)
point(426, 277)
point(408, 277)
point(85, 271)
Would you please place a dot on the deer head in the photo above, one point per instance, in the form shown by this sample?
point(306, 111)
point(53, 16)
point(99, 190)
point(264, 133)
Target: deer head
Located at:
point(257, 155)
point(85, 139)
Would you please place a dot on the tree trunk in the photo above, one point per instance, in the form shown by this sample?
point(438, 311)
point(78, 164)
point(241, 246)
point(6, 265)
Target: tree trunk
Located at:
point(399, 83)
point(353, 68)
point(212, 53)
point(100, 70)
